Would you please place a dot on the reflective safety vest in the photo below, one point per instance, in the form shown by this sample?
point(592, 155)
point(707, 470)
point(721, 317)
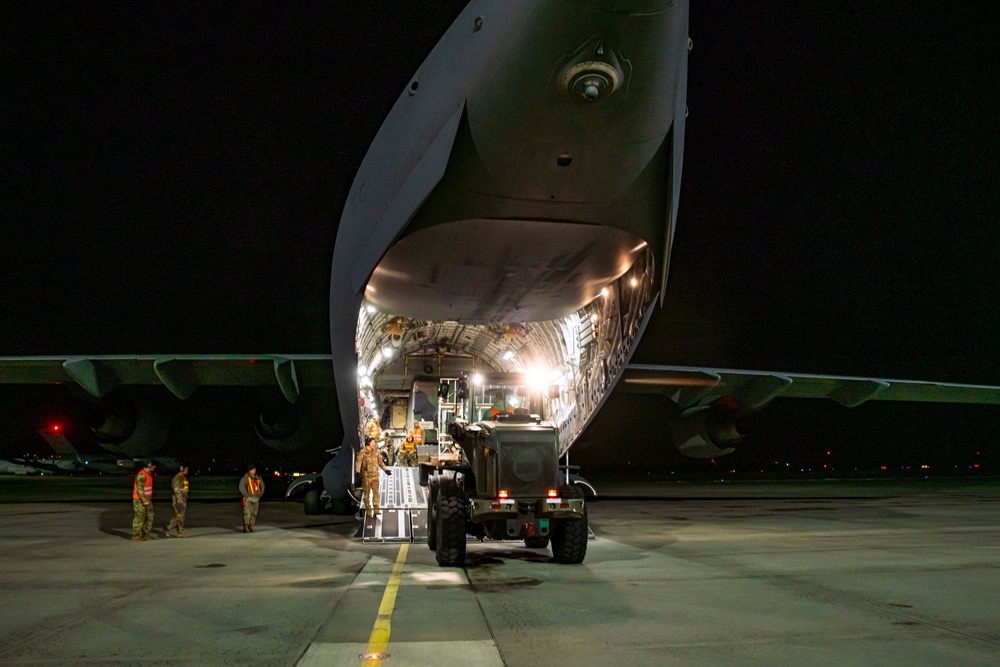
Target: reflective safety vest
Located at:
point(147, 487)
point(418, 435)
point(408, 445)
point(253, 486)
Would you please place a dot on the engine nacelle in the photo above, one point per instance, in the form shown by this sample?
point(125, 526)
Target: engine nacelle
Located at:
point(706, 431)
point(283, 428)
point(128, 427)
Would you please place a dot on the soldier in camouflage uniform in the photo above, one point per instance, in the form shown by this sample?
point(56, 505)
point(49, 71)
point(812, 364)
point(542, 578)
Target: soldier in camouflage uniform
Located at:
point(368, 463)
point(408, 452)
point(252, 488)
point(142, 503)
point(179, 488)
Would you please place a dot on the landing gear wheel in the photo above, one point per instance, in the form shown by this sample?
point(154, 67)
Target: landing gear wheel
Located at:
point(569, 537)
point(450, 527)
point(312, 503)
point(536, 542)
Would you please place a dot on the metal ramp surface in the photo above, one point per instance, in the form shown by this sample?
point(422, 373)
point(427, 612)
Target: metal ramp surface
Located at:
point(403, 503)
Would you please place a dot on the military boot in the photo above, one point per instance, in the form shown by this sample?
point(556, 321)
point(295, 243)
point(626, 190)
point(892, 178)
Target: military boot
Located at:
point(137, 538)
point(250, 526)
point(166, 531)
point(181, 533)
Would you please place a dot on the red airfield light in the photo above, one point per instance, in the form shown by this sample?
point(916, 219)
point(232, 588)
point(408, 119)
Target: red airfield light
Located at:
point(56, 428)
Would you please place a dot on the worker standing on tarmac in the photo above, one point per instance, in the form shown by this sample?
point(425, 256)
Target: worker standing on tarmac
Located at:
point(252, 488)
point(142, 503)
point(179, 488)
point(368, 463)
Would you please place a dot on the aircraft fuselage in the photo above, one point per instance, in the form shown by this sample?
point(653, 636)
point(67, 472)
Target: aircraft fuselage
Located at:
point(523, 188)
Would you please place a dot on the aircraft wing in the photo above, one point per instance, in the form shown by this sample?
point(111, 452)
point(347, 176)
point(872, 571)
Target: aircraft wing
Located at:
point(746, 391)
point(180, 373)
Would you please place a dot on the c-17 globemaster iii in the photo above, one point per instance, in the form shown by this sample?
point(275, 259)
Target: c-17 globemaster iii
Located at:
point(500, 253)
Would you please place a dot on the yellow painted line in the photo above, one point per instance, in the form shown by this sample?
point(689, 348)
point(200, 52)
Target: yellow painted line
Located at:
point(379, 638)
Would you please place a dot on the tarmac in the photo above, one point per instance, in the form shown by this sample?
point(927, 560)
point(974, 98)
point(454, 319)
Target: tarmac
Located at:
point(769, 573)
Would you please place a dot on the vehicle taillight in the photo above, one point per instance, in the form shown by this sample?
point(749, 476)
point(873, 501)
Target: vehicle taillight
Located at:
point(553, 493)
point(502, 494)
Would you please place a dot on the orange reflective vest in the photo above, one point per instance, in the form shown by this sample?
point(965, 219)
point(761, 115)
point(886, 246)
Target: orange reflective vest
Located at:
point(373, 429)
point(147, 487)
point(418, 435)
point(253, 486)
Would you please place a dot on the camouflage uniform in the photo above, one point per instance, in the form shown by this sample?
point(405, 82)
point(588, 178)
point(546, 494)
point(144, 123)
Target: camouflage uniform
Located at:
point(179, 487)
point(417, 433)
point(252, 488)
point(408, 452)
point(368, 463)
point(142, 505)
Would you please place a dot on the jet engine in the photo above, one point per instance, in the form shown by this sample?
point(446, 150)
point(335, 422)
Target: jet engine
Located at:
point(283, 427)
point(127, 426)
point(706, 431)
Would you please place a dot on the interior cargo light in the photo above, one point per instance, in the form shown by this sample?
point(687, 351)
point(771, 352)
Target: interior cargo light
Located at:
point(553, 493)
point(502, 494)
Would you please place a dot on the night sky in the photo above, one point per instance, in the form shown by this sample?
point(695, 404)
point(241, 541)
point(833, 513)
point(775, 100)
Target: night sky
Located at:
point(173, 177)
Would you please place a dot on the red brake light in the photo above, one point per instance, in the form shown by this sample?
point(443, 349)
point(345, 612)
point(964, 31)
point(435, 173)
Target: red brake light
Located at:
point(553, 493)
point(502, 494)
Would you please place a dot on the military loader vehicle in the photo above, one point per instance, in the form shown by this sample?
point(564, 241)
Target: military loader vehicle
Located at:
point(503, 483)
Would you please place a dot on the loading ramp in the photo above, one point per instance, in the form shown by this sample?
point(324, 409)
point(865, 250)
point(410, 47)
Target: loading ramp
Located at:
point(403, 503)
